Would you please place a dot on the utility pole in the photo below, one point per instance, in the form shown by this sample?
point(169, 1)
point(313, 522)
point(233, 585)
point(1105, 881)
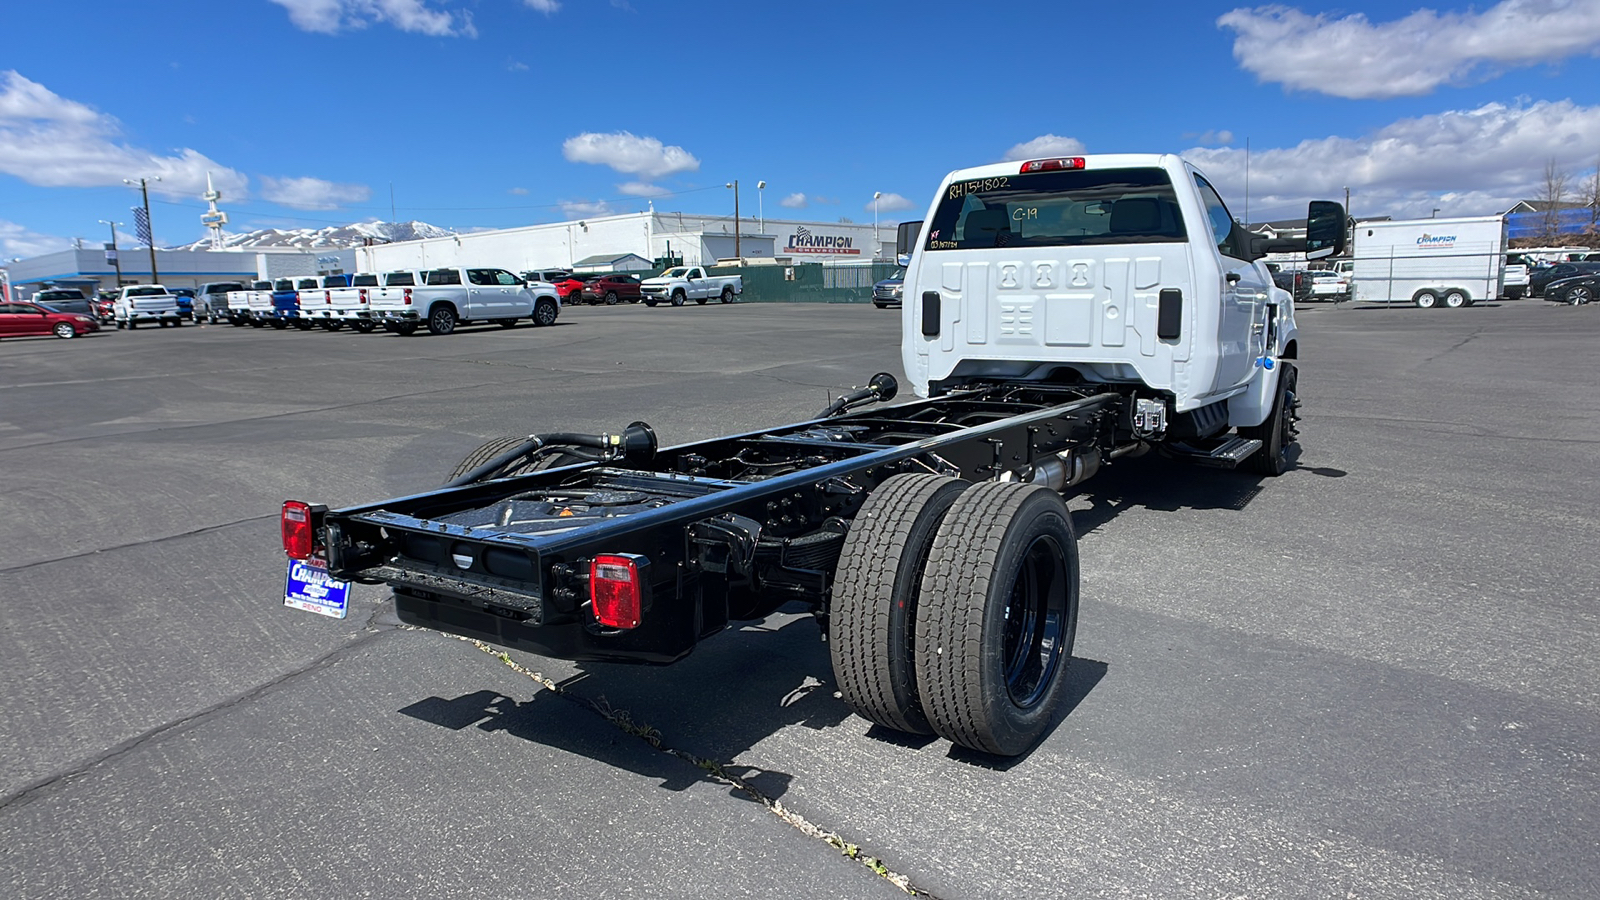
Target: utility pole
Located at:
point(738, 251)
point(149, 235)
point(115, 259)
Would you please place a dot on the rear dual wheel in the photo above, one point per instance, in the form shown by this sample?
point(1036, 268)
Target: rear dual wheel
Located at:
point(973, 640)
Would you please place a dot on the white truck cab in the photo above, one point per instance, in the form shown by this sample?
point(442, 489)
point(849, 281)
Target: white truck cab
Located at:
point(1115, 269)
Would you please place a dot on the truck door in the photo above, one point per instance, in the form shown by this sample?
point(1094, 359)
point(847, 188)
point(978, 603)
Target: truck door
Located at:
point(486, 297)
point(1242, 322)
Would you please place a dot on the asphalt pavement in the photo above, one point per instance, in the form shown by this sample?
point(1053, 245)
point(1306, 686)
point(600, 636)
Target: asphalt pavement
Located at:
point(1374, 676)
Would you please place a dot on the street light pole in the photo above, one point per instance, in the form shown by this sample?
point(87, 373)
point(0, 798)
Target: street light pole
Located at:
point(877, 239)
point(738, 251)
point(144, 190)
point(761, 205)
point(116, 260)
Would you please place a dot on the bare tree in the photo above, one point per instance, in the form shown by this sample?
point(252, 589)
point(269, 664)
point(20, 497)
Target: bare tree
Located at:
point(1551, 196)
point(1591, 198)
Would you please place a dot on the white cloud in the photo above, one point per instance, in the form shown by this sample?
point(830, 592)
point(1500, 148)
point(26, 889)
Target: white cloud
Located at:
point(579, 209)
point(889, 203)
point(629, 154)
point(312, 193)
point(518, 191)
point(545, 6)
point(642, 189)
point(334, 16)
point(1045, 145)
point(48, 140)
point(1206, 138)
point(516, 66)
point(17, 240)
point(1465, 162)
point(794, 201)
point(1352, 57)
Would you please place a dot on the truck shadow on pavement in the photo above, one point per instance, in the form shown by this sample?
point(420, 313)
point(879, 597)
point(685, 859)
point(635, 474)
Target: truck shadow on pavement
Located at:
point(736, 691)
point(1155, 482)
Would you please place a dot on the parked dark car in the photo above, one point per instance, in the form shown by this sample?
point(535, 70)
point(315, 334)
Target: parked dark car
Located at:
point(21, 319)
point(68, 300)
point(1576, 290)
point(1540, 278)
point(609, 289)
point(889, 291)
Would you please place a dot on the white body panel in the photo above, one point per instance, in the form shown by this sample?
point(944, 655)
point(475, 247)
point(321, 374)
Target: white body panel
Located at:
point(133, 304)
point(693, 282)
point(1025, 311)
point(1396, 260)
point(472, 302)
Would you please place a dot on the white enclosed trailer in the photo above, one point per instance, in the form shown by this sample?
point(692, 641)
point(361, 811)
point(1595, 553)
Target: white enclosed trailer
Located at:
point(1430, 262)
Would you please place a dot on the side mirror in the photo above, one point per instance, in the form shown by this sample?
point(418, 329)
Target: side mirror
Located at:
point(1325, 229)
point(905, 241)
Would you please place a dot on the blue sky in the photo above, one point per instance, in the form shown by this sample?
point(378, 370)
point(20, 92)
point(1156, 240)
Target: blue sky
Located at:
point(493, 113)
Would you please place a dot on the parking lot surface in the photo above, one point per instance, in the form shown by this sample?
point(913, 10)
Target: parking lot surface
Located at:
point(1374, 676)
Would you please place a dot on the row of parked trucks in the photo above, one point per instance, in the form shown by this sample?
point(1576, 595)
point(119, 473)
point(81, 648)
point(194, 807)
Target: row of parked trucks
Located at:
point(400, 302)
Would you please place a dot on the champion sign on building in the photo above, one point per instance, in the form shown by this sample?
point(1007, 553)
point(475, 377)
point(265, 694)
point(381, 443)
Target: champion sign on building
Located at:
point(1436, 241)
point(804, 241)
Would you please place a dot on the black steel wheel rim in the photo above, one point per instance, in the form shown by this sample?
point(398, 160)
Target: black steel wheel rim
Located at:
point(1035, 622)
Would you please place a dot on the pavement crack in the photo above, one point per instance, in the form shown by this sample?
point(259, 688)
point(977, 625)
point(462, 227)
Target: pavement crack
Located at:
point(129, 546)
point(29, 791)
point(717, 771)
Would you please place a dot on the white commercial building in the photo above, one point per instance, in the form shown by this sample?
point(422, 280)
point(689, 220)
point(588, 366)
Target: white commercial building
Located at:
point(696, 240)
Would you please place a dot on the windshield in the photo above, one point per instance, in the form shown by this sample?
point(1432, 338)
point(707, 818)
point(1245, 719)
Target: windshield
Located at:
point(675, 273)
point(1054, 209)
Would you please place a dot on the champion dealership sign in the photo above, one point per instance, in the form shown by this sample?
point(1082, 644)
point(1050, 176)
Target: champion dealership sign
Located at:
point(1436, 241)
point(803, 241)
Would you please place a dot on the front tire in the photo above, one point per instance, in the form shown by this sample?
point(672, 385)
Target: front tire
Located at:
point(678, 297)
point(64, 330)
point(545, 311)
point(872, 620)
point(1279, 432)
point(998, 616)
point(441, 319)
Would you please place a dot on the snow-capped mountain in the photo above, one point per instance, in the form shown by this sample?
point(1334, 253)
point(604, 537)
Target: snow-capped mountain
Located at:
point(351, 235)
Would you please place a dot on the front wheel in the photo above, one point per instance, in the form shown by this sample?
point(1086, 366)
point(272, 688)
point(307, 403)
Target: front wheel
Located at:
point(64, 330)
point(441, 320)
point(1279, 432)
point(700, 300)
point(650, 302)
point(545, 311)
point(678, 297)
point(506, 323)
point(997, 617)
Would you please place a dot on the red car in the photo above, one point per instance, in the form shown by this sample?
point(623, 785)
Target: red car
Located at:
point(20, 319)
point(611, 288)
point(569, 287)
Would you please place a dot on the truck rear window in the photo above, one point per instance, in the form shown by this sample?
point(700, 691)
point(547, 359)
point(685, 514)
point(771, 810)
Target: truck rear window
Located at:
point(399, 279)
point(364, 281)
point(443, 276)
point(1057, 209)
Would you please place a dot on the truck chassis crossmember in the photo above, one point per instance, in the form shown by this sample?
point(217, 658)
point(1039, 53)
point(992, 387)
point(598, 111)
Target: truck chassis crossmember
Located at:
point(724, 529)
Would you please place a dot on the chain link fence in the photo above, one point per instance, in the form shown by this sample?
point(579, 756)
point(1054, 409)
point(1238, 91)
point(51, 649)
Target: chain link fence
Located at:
point(809, 282)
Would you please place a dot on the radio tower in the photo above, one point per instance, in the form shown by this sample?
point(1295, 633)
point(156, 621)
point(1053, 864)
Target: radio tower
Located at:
point(213, 218)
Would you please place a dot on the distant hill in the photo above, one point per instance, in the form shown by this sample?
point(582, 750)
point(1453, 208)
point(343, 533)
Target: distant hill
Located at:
point(333, 236)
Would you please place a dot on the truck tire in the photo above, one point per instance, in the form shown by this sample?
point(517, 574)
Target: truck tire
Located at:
point(406, 329)
point(1425, 299)
point(441, 319)
point(872, 620)
point(362, 326)
point(701, 300)
point(1279, 432)
point(727, 295)
point(1455, 298)
point(678, 297)
point(545, 311)
point(997, 617)
point(491, 449)
point(304, 324)
point(650, 302)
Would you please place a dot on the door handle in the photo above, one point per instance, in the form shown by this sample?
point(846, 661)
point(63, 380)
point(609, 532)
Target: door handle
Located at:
point(1232, 277)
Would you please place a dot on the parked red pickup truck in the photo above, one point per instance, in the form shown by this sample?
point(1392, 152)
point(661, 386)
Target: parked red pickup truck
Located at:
point(611, 288)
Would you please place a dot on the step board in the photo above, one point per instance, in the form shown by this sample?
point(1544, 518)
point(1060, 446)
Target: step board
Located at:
point(1226, 455)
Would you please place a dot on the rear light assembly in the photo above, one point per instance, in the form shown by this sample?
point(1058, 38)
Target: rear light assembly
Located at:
point(299, 532)
point(1058, 164)
point(363, 294)
point(616, 590)
point(327, 296)
point(408, 296)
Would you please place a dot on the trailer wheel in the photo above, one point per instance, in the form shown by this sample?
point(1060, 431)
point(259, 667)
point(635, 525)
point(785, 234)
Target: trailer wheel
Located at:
point(1425, 299)
point(1455, 298)
point(872, 619)
point(997, 617)
point(1279, 432)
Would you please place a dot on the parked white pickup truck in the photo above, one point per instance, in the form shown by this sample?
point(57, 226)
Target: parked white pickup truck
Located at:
point(342, 299)
point(447, 298)
point(251, 306)
point(690, 283)
point(145, 303)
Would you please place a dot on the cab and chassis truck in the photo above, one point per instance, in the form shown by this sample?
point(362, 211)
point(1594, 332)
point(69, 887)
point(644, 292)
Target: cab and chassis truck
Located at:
point(1060, 315)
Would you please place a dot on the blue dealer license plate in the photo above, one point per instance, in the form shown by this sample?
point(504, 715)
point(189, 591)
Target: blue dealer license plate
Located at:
point(311, 588)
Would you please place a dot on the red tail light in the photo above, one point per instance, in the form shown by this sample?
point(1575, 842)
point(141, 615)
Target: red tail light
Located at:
point(408, 296)
point(299, 540)
point(327, 296)
point(615, 592)
point(1051, 165)
point(363, 295)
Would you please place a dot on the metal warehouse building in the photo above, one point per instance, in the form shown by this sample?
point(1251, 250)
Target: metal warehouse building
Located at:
point(696, 240)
